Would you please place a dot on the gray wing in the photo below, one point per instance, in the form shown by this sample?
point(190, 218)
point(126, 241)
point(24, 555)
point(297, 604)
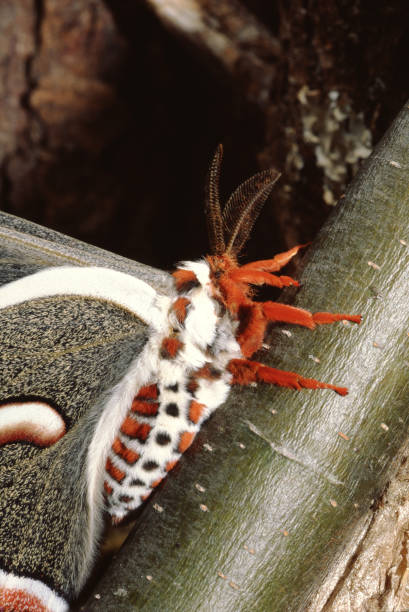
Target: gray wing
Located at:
point(26, 247)
point(68, 352)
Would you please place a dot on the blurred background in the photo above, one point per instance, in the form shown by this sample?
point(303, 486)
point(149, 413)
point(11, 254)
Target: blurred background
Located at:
point(110, 112)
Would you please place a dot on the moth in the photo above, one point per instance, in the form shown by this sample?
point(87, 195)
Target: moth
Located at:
point(108, 370)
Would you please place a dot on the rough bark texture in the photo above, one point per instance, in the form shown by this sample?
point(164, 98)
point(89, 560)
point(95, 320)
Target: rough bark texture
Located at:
point(62, 113)
point(372, 573)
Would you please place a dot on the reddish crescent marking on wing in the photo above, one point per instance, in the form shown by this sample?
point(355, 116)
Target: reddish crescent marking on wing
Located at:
point(30, 421)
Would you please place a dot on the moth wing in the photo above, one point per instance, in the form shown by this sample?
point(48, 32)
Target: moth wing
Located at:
point(26, 247)
point(62, 355)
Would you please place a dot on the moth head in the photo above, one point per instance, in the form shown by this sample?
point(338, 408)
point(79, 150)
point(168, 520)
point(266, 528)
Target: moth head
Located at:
point(229, 283)
point(230, 228)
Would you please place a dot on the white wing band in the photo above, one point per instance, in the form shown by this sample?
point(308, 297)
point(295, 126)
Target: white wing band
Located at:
point(95, 282)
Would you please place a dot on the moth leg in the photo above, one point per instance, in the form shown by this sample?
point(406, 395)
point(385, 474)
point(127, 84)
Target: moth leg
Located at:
point(322, 318)
point(284, 313)
point(278, 262)
point(273, 311)
point(245, 372)
point(252, 336)
point(260, 277)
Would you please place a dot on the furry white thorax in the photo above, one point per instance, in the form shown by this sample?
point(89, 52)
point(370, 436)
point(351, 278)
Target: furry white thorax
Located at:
point(208, 337)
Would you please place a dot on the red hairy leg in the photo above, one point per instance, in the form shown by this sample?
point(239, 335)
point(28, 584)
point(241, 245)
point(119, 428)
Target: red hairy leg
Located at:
point(322, 318)
point(274, 311)
point(245, 372)
point(290, 314)
point(252, 336)
point(278, 262)
point(259, 277)
point(235, 294)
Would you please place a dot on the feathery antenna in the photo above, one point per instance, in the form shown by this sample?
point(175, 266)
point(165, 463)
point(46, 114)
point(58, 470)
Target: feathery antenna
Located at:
point(244, 206)
point(241, 211)
point(212, 205)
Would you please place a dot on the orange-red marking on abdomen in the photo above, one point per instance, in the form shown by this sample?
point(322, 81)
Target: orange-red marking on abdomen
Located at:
point(170, 465)
point(145, 408)
point(148, 392)
point(108, 489)
point(124, 452)
point(113, 471)
point(170, 348)
point(179, 307)
point(186, 440)
point(195, 411)
point(207, 371)
point(134, 429)
point(156, 483)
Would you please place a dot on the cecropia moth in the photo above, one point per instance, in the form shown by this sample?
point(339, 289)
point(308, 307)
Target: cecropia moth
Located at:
point(108, 370)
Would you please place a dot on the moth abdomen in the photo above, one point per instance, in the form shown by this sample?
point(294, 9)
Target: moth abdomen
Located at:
point(174, 414)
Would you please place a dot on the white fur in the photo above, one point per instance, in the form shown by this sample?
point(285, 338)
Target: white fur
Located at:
point(34, 588)
point(201, 322)
point(142, 371)
point(207, 338)
point(212, 393)
point(200, 269)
